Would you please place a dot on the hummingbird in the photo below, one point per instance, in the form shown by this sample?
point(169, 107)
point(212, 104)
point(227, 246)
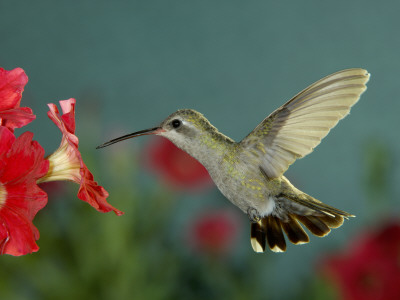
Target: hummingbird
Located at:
point(249, 173)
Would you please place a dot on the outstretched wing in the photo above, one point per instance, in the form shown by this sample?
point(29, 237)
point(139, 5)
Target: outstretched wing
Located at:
point(296, 128)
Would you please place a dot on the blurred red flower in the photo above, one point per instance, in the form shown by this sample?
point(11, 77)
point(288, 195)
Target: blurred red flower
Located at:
point(370, 269)
point(21, 164)
point(12, 85)
point(177, 168)
point(66, 162)
point(214, 232)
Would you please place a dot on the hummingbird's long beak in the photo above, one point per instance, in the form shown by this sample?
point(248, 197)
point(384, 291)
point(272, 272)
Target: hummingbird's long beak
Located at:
point(154, 130)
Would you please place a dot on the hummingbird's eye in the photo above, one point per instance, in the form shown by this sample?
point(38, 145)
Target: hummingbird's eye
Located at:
point(176, 123)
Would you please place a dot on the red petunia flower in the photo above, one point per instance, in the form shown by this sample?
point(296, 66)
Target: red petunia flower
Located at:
point(12, 85)
point(214, 232)
point(177, 168)
point(371, 267)
point(66, 162)
point(21, 164)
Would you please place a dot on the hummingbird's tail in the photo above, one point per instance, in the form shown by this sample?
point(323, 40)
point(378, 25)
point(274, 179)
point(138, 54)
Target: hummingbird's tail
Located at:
point(316, 216)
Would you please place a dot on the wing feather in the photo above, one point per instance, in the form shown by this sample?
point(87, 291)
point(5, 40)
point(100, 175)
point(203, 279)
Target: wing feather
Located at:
point(296, 128)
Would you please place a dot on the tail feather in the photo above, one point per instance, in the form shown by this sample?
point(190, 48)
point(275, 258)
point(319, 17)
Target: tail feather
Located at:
point(270, 229)
point(275, 238)
point(318, 206)
point(332, 222)
point(294, 231)
point(315, 225)
point(258, 237)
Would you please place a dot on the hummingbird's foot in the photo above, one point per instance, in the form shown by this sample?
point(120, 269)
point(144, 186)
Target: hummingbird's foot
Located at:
point(253, 215)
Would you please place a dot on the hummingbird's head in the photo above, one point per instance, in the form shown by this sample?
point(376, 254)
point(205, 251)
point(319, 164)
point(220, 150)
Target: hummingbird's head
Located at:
point(183, 127)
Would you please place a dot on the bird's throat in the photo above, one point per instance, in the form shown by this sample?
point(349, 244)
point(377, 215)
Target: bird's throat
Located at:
point(210, 148)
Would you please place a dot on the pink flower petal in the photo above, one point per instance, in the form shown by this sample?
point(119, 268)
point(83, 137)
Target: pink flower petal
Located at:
point(75, 168)
point(22, 163)
point(12, 85)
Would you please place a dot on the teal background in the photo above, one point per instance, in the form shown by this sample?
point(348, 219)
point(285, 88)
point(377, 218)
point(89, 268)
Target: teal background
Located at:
point(129, 64)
